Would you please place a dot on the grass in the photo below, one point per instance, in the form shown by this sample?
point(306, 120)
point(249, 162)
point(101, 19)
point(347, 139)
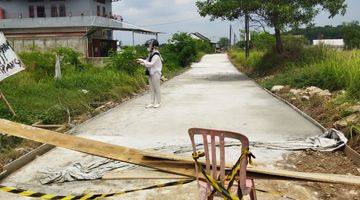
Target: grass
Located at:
point(314, 66)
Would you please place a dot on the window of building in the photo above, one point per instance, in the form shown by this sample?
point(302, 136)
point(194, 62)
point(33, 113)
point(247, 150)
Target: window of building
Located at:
point(104, 12)
point(40, 11)
point(101, 1)
point(54, 11)
point(62, 11)
point(31, 12)
point(98, 11)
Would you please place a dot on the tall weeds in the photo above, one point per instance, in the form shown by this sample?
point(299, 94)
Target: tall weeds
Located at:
point(312, 66)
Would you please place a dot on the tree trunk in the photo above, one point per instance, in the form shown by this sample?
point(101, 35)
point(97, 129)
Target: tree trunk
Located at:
point(279, 44)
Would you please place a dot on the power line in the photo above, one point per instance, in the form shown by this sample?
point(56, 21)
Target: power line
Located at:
point(174, 22)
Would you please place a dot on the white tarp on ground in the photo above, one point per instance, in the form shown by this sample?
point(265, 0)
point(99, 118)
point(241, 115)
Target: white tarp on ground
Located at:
point(82, 171)
point(330, 140)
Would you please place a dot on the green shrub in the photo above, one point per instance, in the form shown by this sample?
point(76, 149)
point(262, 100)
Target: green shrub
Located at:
point(204, 47)
point(183, 45)
point(71, 57)
point(351, 32)
point(125, 60)
point(262, 40)
point(40, 63)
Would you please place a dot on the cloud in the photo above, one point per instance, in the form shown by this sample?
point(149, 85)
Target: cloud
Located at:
point(182, 2)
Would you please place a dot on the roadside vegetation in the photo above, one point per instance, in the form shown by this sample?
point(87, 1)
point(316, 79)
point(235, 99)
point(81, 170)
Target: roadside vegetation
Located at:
point(300, 68)
point(36, 96)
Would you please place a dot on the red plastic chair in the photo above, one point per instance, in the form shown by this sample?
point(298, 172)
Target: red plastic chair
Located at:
point(245, 186)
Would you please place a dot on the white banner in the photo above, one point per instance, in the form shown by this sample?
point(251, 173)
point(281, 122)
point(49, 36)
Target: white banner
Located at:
point(10, 63)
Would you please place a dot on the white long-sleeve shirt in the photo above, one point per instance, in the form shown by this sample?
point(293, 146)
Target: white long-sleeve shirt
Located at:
point(155, 66)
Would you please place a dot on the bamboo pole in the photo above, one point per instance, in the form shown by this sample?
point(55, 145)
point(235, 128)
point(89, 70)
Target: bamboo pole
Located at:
point(2, 96)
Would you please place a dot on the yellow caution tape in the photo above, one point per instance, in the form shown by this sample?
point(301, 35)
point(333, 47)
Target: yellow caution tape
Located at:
point(29, 193)
point(218, 187)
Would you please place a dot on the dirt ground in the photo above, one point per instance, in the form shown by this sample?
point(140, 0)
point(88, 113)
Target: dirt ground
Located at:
point(324, 162)
point(325, 111)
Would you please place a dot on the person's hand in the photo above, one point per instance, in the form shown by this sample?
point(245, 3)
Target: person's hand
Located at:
point(139, 60)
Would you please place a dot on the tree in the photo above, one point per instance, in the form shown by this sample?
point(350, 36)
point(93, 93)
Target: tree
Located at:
point(318, 32)
point(184, 46)
point(351, 33)
point(224, 42)
point(279, 14)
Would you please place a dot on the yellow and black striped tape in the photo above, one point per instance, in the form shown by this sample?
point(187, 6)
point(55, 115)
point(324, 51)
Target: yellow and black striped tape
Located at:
point(29, 193)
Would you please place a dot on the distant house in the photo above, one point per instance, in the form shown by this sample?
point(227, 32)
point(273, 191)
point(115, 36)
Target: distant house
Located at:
point(333, 43)
point(86, 26)
point(199, 36)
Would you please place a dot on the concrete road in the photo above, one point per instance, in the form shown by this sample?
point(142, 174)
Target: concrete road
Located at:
point(212, 94)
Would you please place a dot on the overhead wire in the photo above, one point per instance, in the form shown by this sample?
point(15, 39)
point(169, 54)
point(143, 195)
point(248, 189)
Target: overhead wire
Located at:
point(174, 22)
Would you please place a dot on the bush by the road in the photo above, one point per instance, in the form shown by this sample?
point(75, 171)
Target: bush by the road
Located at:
point(186, 48)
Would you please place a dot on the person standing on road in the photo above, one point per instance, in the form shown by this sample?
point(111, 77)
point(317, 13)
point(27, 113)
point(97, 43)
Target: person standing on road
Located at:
point(153, 65)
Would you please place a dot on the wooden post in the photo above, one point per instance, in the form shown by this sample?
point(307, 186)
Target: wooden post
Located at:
point(2, 96)
point(230, 34)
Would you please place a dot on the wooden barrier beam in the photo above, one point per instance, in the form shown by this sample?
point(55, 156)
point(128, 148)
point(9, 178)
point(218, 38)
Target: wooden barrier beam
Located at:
point(174, 164)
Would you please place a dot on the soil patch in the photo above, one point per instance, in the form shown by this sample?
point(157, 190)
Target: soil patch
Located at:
point(325, 162)
point(326, 111)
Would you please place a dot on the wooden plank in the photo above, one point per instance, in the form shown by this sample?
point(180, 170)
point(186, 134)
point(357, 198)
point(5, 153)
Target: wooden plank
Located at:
point(140, 174)
point(48, 125)
point(134, 156)
point(37, 123)
point(93, 147)
point(318, 177)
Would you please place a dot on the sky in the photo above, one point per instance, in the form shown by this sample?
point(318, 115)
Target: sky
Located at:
point(171, 16)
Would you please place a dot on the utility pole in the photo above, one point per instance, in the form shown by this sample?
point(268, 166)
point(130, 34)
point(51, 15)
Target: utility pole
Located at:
point(247, 35)
point(230, 34)
point(133, 38)
point(234, 39)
